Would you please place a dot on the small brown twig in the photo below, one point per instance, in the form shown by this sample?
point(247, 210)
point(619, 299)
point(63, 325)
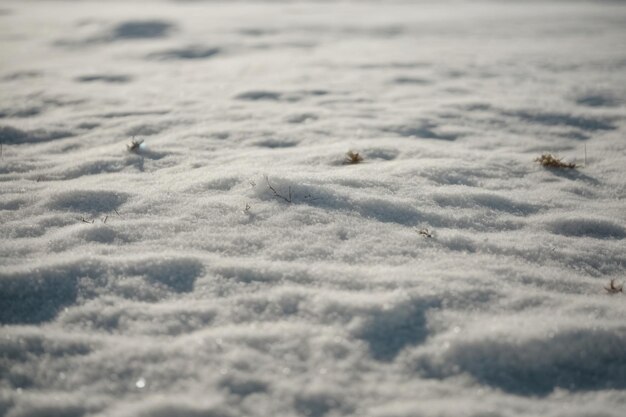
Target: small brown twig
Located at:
point(425, 233)
point(104, 220)
point(276, 194)
point(87, 221)
point(352, 158)
point(614, 289)
point(117, 212)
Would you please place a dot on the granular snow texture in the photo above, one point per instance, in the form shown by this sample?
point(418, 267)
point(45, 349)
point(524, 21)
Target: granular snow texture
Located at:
point(233, 264)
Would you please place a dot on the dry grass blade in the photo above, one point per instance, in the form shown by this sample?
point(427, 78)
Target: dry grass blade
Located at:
point(551, 161)
point(353, 158)
point(613, 288)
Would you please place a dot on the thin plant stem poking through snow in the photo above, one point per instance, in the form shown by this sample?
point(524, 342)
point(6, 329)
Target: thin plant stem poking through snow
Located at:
point(277, 194)
point(352, 158)
point(550, 161)
point(613, 288)
point(134, 145)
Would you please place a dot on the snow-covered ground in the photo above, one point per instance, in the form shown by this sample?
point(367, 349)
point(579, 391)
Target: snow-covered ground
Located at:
point(233, 265)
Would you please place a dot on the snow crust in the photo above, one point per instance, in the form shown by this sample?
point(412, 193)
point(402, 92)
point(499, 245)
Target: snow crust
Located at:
point(233, 264)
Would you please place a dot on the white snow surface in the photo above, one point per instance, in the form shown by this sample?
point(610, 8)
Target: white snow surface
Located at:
point(173, 281)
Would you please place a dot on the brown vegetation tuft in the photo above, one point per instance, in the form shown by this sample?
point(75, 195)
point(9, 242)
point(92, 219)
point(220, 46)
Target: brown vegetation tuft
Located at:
point(425, 233)
point(551, 161)
point(613, 288)
point(352, 158)
point(134, 144)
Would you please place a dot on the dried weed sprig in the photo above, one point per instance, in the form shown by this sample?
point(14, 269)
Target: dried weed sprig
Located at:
point(551, 161)
point(352, 158)
point(134, 144)
point(613, 288)
point(277, 194)
point(425, 233)
point(92, 221)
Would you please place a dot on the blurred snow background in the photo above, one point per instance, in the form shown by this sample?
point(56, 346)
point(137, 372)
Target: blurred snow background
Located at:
point(172, 281)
